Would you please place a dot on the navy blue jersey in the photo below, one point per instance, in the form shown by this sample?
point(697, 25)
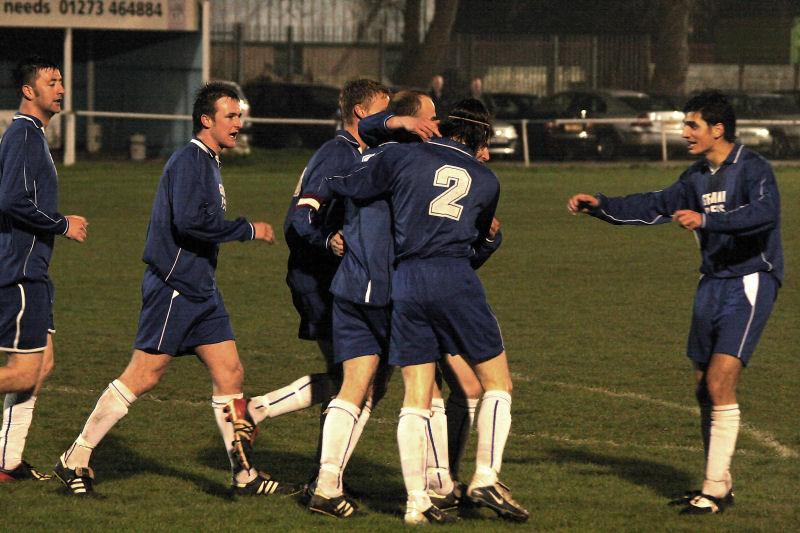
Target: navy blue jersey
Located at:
point(365, 272)
point(740, 206)
point(188, 222)
point(29, 217)
point(311, 221)
point(443, 200)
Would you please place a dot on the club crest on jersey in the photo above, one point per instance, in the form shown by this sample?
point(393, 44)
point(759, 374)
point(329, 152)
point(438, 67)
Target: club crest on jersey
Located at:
point(224, 201)
point(714, 202)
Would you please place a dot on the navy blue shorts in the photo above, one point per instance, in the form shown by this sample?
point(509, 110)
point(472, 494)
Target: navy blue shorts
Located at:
point(359, 330)
point(315, 314)
point(440, 307)
point(173, 324)
point(729, 315)
point(26, 316)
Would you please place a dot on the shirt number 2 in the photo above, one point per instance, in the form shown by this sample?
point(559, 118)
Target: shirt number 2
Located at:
point(457, 181)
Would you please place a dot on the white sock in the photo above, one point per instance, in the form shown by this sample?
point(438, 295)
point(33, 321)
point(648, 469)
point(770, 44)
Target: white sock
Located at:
point(460, 416)
point(724, 430)
point(363, 418)
point(17, 416)
point(494, 423)
point(110, 408)
point(302, 393)
point(218, 403)
point(438, 471)
point(412, 440)
point(337, 441)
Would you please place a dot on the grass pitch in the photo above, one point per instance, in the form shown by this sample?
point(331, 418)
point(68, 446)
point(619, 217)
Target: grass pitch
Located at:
point(594, 319)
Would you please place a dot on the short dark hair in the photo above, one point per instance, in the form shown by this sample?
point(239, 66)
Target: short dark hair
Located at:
point(360, 91)
point(26, 71)
point(406, 103)
point(468, 123)
point(205, 102)
point(715, 108)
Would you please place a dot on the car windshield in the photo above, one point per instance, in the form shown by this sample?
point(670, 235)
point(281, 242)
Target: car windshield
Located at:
point(770, 104)
point(646, 102)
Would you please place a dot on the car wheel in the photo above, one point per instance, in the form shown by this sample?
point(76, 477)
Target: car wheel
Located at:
point(608, 146)
point(780, 146)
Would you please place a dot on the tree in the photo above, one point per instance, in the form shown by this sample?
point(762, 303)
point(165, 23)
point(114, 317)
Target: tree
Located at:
point(670, 46)
point(421, 60)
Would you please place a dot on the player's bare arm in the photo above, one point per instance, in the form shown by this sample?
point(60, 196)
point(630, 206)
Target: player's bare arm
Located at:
point(425, 128)
point(77, 228)
point(582, 203)
point(264, 232)
point(688, 219)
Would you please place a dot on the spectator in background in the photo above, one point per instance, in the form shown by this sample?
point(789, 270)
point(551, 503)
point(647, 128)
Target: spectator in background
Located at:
point(437, 96)
point(476, 92)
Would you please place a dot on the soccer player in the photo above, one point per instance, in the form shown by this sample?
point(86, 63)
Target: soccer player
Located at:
point(361, 319)
point(729, 199)
point(182, 309)
point(443, 201)
point(29, 222)
point(312, 231)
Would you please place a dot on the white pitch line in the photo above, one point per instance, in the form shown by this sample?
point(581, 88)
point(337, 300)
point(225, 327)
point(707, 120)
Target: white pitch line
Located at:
point(762, 437)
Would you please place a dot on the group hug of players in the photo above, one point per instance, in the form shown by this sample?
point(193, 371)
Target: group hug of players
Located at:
point(387, 225)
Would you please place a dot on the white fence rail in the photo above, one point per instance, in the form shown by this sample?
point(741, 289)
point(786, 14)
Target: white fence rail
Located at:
point(525, 123)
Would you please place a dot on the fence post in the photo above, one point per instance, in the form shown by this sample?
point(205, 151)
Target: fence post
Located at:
point(289, 53)
point(525, 142)
point(238, 43)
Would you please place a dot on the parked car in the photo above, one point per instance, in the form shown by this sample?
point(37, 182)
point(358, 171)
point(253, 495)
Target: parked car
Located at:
point(511, 106)
point(504, 140)
point(604, 140)
point(777, 140)
point(270, 99)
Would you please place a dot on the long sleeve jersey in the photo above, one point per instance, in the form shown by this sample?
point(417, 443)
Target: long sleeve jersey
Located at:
point(188, 222)
point(740, 207)
point(29, 217)
point(443, 200)
point(311, 220)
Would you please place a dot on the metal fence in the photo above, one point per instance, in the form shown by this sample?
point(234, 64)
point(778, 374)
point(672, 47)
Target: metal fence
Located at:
point(538, 64)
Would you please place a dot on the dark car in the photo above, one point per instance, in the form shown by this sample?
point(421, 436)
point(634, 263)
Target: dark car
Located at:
point(778, 140)
point(642, 134)
point(270, 99)
point(511, 107)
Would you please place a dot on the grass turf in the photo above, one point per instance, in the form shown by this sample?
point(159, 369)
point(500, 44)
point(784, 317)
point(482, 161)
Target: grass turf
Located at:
point(594, 319)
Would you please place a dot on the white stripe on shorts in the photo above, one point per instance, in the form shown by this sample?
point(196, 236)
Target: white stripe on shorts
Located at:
point(175, 294)
point(750, 283)
point(19, 315)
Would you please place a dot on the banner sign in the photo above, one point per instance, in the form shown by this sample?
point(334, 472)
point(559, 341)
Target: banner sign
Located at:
point(163, 15)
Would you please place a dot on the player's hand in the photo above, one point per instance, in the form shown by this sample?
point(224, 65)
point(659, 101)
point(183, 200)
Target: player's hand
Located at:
point(337, 244)
point(424, 128)
point(582, 203)
point(264, 232)
point(494, 228)
point(688, 219)
point(77, 228)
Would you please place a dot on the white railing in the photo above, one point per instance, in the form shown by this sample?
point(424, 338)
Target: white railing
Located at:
point(633, 121)
point(524, 124)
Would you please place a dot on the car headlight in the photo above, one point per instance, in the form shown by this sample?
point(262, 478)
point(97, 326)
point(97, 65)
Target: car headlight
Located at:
point(507, 132)
point(762, 132)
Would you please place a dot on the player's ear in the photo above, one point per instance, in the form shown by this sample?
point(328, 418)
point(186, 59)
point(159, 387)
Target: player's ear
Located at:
point(207, 121)
point(718, 130)
point(27, 92)
point(358, 111)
